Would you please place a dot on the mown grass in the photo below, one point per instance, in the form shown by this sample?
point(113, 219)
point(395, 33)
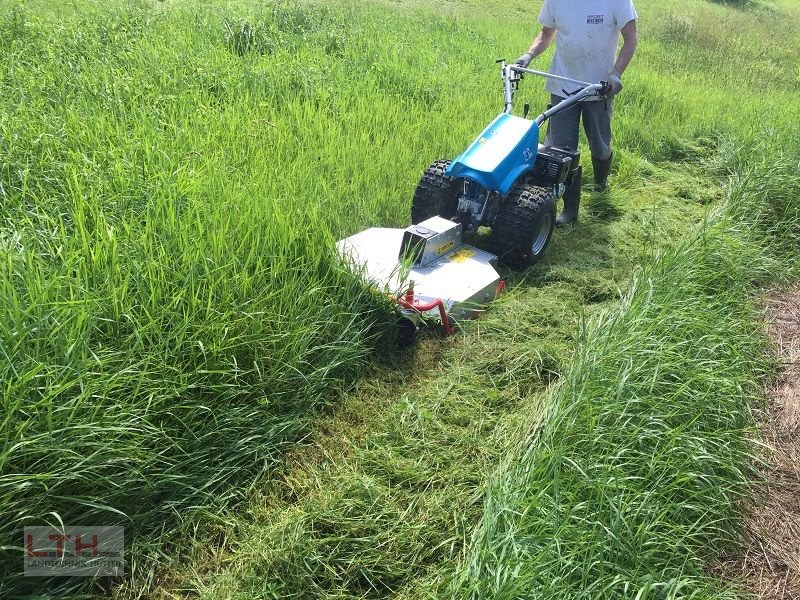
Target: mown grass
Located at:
point(630, 486)
point(172, 179)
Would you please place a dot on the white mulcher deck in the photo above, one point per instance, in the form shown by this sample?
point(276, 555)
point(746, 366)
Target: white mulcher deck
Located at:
point(463, 278)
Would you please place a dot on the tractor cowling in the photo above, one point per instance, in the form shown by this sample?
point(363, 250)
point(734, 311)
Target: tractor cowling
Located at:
point(500, 155)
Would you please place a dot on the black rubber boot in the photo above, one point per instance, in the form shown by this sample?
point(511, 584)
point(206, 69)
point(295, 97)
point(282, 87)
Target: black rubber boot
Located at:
point(601, 171)
point(572, 198)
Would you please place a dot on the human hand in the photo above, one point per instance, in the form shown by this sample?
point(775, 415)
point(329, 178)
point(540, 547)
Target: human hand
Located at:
point(524, 60)
point(615, 83)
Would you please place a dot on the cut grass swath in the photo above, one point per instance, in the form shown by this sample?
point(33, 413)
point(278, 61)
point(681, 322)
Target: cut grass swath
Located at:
point(630, 487)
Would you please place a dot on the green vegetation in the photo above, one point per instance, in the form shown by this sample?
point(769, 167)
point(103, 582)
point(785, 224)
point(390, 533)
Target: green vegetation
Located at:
point(172, 178)
point(630, 486)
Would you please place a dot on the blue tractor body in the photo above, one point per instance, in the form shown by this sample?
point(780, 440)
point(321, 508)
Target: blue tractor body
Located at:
point(500, 155)
point(505, 185)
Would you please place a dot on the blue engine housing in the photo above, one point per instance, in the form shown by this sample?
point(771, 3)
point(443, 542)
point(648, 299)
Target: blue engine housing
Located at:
point(502, 153)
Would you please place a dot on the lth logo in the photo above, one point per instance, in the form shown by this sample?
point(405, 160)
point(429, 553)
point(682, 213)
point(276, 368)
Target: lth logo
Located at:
point(74, 551)
point(59, 540)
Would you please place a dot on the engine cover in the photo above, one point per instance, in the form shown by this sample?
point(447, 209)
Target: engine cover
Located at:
point(500, 155)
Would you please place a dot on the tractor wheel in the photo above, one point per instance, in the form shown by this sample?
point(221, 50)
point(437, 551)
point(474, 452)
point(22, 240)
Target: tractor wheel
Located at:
point(524, 224)
point(436, 194)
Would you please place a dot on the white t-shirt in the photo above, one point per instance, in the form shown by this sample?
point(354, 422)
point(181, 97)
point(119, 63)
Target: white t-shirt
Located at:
point(587, 34)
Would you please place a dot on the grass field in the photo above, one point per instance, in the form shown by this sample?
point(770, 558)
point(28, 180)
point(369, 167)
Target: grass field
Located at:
point(181, 353)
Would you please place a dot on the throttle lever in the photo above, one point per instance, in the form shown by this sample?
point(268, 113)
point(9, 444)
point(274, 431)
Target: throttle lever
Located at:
point(604, 92)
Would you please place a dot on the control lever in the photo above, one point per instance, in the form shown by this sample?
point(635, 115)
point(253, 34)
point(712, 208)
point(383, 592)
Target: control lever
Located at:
point(604, 93)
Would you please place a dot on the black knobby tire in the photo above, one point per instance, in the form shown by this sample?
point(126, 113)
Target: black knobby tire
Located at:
point(436, 194)
point(524, 224)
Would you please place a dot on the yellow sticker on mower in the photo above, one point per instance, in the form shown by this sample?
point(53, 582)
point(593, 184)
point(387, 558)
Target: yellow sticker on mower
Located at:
point(445, 247)
point(462, 255)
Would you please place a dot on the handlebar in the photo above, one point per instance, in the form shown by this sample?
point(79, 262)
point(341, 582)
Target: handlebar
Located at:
point(519, 69)
point(512, 75)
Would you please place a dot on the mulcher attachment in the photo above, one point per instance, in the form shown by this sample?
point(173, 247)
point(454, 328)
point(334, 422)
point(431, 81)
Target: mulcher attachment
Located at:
point(426, 269)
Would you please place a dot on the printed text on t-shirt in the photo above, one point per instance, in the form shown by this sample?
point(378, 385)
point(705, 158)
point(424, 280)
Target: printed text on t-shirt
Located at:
point(595, 19)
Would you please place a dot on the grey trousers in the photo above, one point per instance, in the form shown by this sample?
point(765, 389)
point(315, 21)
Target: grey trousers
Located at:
point(563, 128)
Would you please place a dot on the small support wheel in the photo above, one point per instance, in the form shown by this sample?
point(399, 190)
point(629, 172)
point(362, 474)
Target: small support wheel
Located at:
point(407, 331)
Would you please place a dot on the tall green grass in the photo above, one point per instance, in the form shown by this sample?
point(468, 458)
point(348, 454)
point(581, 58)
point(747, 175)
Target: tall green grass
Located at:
point(172, 312)
point(172, 179)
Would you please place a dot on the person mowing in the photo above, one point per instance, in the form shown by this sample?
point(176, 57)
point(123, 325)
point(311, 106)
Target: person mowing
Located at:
point(587, 35)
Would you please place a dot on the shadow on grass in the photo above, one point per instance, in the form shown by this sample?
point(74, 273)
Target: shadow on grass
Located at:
point(580, 255)
point(601, 206)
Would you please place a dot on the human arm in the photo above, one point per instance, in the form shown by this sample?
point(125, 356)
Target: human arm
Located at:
point(630, 40)
point(540, 43)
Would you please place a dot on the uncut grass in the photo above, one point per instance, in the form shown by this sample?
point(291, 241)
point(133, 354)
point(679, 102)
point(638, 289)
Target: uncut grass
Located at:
point(170, 319)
